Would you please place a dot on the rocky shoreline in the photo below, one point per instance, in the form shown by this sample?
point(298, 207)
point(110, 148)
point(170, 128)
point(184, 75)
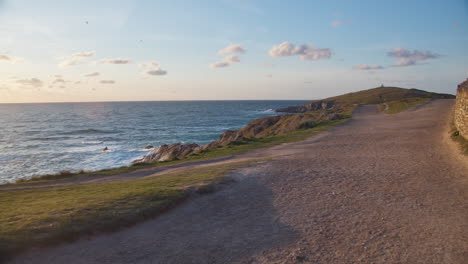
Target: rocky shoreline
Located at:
point(258, 128)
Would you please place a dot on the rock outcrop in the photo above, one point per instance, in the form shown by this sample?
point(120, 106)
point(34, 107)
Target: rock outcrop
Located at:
point(461, 109)
point(170, 152)
point(312, 106)
point(259, 128)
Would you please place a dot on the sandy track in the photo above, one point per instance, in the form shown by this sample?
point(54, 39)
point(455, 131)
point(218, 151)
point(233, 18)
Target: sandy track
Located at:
point(378, 189)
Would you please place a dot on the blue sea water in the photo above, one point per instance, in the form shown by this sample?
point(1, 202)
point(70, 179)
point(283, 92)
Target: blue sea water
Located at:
point(37, 139)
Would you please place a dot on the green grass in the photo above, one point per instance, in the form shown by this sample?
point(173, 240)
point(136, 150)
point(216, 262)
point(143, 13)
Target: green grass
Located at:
point(232, 149)
point(401, 105)
point(386, 94)
point(44, 216)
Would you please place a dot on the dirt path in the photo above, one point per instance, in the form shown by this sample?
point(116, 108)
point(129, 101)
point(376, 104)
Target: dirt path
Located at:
point(378, 189)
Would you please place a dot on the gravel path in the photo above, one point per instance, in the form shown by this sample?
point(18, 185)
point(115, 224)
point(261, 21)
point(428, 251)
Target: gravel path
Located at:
point(378, 189)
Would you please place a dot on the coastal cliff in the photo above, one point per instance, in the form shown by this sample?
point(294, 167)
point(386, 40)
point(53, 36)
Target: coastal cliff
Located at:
point(258, 128)
point(304, 116)
point(461, 109)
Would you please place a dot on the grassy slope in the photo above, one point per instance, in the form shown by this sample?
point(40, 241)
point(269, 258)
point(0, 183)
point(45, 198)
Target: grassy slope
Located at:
point(43, 216)
point(397, 106)
point(385, 94)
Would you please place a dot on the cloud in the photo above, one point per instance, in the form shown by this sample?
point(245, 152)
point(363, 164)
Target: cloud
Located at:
point(5, 57)
point(368, 67)
point(220, 64)
point(75, 59)
point(305, 52)
point(153, 69)
point(114, 61)
point(231, 59)
point(58, 80)
point(149, 64)
point(407, 57)
point(10, 59)
point(336, 23)
point(33, 82)
point(107, 81)
point(156, 72)
point(93, 74)
point(234, 48)
point(228, 60)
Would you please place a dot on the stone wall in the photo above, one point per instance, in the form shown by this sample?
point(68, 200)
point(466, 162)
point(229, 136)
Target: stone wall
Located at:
point(461, 109)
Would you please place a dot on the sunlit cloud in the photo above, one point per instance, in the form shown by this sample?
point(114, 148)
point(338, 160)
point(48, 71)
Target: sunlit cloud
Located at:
point(107, 81)
point(368, 67)
point(408, 58)
point(231, 49)
point(114, 61)
point(75, 59)
point(305, 52)
point(93, 74)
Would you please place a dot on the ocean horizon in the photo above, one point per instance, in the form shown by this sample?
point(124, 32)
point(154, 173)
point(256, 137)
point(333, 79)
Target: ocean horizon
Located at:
point(47, 138)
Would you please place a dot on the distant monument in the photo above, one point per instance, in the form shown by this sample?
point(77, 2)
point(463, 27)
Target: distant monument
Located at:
point(382, 86)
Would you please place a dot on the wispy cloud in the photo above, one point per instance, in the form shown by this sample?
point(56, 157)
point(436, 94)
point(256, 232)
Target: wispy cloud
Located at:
point(336, 23)
point(149, 64)
point(368, 67)
point(107, 81)
point(231, 49)
point(220, 64)
point(339, 22)
point(4, 57)
point(305, 52)
point(10, 59)
point(114, 61)
point(93, 74)
point(156, 72)
point(76, 58)
point(33, 82)
point(407, 57)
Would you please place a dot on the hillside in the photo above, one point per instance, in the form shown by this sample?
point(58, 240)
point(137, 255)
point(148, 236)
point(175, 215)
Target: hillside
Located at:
point(377, 95)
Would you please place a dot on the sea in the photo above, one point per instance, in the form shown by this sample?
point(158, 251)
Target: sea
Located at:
point(47, 138)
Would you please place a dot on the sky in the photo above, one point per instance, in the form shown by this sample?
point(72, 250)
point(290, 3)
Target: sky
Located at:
point(76, 51)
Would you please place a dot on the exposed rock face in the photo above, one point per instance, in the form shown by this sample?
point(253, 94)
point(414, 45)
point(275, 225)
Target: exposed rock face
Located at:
point(273, 125)
point(259, 128)
point(170, 152)
point(461, 109)
point(312, 106)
